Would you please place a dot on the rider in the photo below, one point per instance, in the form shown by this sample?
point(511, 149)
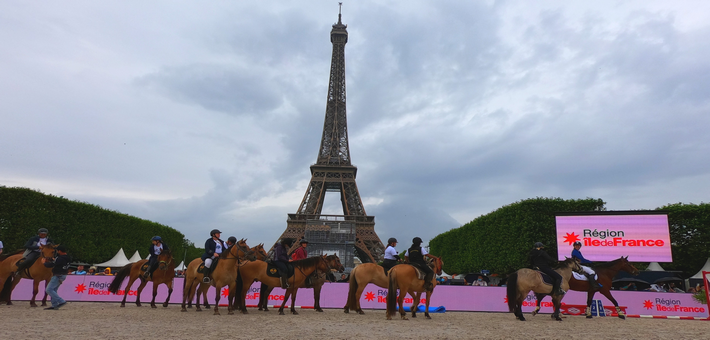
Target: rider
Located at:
point(213, 248)
point(281, 259)
point(230, 242)
point(415, 256)
point(32, 252)
point(540, 259)
point(391, 255)
point(588, 272)
point(155, 250)
point(301, 253)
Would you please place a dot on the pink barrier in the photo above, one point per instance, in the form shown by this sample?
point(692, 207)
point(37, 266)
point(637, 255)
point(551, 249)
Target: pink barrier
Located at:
point(334, 295)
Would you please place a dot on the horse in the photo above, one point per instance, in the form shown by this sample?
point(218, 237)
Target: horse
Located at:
point(405, 278)
point(224, 274)
point(37, 272)
point(317, 280)
point(524, 280)
point(164, 274)
point(606, 273)
point(360, 277)
point(256, 270)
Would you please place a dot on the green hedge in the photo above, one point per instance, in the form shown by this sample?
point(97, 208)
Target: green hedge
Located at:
point(92, 234)
point(690, 236)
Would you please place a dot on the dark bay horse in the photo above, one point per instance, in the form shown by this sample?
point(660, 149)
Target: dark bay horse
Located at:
point(256, 271)
point(164, 274)
point(405, 279)
point(37, 272)
point(524, 280)
point(360, 277)
point(315, 281)
point(606, 273)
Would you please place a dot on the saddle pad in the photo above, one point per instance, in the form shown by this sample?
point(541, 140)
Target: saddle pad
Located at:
point(144, 267)
point(545, 278)
point(420, 273)
point(273, 271)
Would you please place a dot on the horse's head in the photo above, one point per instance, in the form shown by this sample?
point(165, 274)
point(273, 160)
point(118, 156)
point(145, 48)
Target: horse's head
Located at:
point(332, 262)
point(436, 264)
point(49, 251)
point(164, 259)
point(572, 264)
point(260, 252)
point(627, 266)
point(242, 251)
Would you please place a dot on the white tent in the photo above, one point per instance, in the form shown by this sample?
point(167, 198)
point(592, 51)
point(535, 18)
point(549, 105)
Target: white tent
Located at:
point(135, 258)
point(706, 268)
point(118, 260)
point(655, 267)
point(181, 266)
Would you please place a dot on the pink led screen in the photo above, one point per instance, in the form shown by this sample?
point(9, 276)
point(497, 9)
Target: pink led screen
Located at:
point(608, 236)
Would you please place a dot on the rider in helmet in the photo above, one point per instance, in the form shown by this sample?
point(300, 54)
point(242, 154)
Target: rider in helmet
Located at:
point(415, 256)
point(230, 242)
point(213, 249)
point(32, 252)
point(588, 272)
point(281, 259)
point(391, 255)
point(541, 260)
point(301, 253)
point(155, 249)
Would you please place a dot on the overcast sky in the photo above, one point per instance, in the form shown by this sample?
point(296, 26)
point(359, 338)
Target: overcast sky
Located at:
point(203, 115)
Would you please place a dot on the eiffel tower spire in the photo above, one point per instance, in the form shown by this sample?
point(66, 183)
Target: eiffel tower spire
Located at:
point(333, 171)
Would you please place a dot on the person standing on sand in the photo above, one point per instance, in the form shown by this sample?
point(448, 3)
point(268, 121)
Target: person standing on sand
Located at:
point(60, 267)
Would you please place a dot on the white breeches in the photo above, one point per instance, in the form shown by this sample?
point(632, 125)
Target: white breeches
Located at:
point(208, 262)
point(588, 270)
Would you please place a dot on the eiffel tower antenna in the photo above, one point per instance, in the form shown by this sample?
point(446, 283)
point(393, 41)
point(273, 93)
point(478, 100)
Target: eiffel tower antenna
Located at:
point(353, 232)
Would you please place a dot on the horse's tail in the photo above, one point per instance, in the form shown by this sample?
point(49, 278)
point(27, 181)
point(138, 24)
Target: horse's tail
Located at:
point(352, 299)
point(392, 294)
point(512, 292)
point(120, 276)
point(6, 289)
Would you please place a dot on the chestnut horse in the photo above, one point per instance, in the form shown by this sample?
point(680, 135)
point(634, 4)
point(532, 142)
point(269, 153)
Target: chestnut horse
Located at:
point(256, 271)
point(164, 274)
point(524, 280)
point(605, 273)
point(317, 280)
point(405, 279)
point(224, 274)
point(360, 277)
point(37, 272)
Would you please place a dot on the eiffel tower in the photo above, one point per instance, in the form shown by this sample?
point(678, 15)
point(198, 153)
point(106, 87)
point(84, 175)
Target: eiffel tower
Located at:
point(352, 233)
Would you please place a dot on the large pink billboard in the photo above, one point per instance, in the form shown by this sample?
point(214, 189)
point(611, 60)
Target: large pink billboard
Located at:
point(606, 236)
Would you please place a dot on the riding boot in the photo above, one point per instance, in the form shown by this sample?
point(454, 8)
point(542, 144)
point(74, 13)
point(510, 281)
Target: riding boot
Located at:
point(557, 289)
point(593, 284)
point(284, 282)
point(427, 281)
point(206, 273)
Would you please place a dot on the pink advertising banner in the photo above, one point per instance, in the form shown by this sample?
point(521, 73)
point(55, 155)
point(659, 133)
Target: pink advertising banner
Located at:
point(334, 295)
point(606, 237)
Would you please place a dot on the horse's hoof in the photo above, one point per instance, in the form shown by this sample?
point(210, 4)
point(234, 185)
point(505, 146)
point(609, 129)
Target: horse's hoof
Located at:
point(122, 305)
point(245, 312)
point(589, 316)
point(360, 312)
point(405, 318)
point(389, 318)
point(534, 313)
point(281, 313)
point(319, 310)
point(294, 312)
point(414, 315)
point(198, 310)
point(183, 310)
point(165, 305)
point(230, 313)
point(428, 317)
point(346, 311)
point(521, 318)
point(216, 313)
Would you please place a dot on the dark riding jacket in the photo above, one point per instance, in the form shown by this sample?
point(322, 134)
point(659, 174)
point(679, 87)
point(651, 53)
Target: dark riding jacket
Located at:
point(539, 258)
point(33, 243)
point(60, 266)
point(211, 247)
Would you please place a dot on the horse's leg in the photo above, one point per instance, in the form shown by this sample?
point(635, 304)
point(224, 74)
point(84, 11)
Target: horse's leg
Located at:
point(264, 298)
point(170, 292)
point(400, 303)
point(218, 292)
point(538, 297)
point(243, 295)
point(416, 297)
point(198, 293)
point(358, 294)
point(155, 293)
point(125, 291)
point(606, 292)
point(588, 310)
point(44, 299)
point(15, 281)
point(286, 296)
point(428, 297)
point(204, 294)
point(230, 297)
point(316, 297)
point(556, 301)
point(519, 305)
point(138, 292)
point(293, 302)
point(185, 294)
point(35, 290)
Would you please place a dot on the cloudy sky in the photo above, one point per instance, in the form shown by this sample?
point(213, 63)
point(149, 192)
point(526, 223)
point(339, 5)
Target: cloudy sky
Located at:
point(203, 115)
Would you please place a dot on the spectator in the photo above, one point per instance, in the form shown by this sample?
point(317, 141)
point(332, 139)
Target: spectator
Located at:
point(179, 273)
point(673, 289)
point(479, 282)
point(630, 286)
point(691, 290)
point(343, 278)
point(59, 266)
point(92, 271)
point(106, 271)
point(443, 280)
point(79, 270)
point(301, 253)
point(0, 247)
point(656, 288)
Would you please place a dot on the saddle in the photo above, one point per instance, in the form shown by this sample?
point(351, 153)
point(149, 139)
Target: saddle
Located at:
point(546, 279)
point(273, 271)
point(420, 273)
point(144, 267)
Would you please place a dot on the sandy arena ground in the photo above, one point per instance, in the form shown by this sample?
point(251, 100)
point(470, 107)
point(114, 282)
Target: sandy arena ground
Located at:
point(84, 320)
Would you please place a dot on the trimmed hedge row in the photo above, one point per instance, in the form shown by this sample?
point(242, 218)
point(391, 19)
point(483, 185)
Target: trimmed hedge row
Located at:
point(91, 233)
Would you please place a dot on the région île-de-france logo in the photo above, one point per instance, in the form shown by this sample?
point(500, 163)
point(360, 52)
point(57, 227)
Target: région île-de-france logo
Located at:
point(647, 304)
point(571, 238)
point(369, 296)
point(80, 288)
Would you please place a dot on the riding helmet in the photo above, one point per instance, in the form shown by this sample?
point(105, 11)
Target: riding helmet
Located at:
point(42, 231)
point(303, 240)
point(287, 242)
point(392, 240)
point(215, 231)
point(417, 240)
point(577, 243)
point(232, 239)
point(539, 245)
point(156, 238)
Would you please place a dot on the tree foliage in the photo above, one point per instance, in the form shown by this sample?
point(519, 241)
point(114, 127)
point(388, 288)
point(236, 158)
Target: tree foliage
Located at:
point(500, 241)
point(690, 236)
point(92, 234)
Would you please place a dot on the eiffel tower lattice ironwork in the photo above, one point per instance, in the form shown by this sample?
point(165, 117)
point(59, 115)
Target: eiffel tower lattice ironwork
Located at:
point(354, 231)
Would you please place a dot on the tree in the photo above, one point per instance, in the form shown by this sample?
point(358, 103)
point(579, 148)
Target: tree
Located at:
point(690, 236)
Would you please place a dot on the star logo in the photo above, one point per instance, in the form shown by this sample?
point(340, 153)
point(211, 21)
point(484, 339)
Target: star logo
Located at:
point(369, 296)
point(80, 288)
point(571, 238)
point(225, 292)
point(505, 300)
point(647, 304)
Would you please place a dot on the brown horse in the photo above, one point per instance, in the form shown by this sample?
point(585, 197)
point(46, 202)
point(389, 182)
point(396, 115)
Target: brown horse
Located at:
point(315, 281)
point(405, 279)
point(360, 277)
point(524, 280)
point(164, 274)
point(256, 271)
point(224, 274)
point(37, 272)
point(606, 273)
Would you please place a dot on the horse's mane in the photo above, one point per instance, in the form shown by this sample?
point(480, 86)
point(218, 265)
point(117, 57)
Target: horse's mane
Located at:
point(307, 262)
point(564, 264)
point(608, 264)
point(4, 256)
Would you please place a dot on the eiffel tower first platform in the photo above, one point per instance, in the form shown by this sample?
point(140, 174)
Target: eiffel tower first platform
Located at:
point(352, 233)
